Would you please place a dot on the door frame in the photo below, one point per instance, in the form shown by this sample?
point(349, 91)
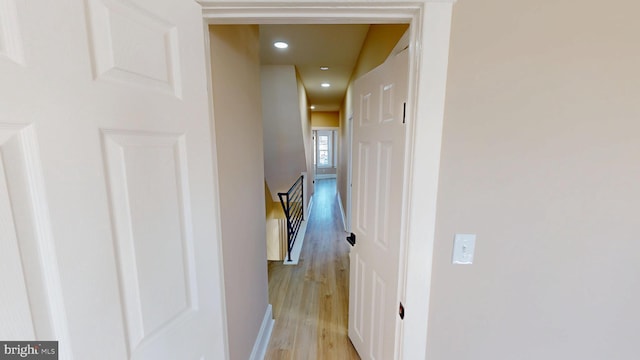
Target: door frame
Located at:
point(334, 151)
point(430, 27)
point(349, 149)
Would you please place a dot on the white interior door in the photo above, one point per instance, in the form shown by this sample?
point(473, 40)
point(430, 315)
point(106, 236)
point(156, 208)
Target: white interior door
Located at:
point(378, 171)
point(107, 217)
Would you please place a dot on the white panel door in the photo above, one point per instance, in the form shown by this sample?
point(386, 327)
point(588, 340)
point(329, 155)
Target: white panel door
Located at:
point(378, 172)
point(108, 241)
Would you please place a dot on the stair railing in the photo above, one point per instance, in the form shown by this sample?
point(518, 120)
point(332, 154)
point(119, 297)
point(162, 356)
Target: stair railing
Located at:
point(293, 204)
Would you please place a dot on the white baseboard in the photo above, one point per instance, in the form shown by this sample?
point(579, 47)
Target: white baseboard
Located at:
point(264, 335)
point(325, 176)
point(344, 223)
point(297, 245)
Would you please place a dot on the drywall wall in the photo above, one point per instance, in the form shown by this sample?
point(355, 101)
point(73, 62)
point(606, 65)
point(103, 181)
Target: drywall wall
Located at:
point(305, 121)
point(238, 131)
point(268, 200)
point(380, 41)
point(540, 160)
point(285, 155)
point(325, 119)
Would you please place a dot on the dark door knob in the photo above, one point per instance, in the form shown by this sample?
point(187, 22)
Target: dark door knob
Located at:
point(351, 239)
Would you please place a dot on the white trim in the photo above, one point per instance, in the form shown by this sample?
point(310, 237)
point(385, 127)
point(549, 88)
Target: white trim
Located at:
point(349, 145)
point(311, 12)
point(325, 176)
point(309, 208)
point(297, 245)
point(264, 335)
point(344, 223)
point(430, 26)
point(425, 115)
point(224, 327)
point(306, 184)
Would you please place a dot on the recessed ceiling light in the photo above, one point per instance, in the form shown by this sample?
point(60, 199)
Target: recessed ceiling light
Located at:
point(324, 68)
point(313, 107)
point(325, 84)
point(281, 44)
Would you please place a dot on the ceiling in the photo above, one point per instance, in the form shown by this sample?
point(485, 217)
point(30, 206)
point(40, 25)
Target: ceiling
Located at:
point(313, 46)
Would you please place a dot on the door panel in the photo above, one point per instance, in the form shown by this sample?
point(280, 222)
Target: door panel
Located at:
point(133, 45)
point(378, 164)
point(31, 303)
point(383, 194)
point(10, 39)
point(356, 289)
point(106, 199)
point(14, 297)
point(362, 190)
point(149, 196)
point(379, 294)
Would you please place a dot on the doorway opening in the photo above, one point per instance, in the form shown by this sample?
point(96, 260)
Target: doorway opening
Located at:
point(374, 44)
point(429, 32)
point(325, 154)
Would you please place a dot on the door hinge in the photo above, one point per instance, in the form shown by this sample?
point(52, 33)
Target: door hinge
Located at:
point(404, 112)
point(401, 311)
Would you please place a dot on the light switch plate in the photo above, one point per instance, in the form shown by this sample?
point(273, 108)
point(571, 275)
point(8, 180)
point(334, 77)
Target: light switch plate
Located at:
point(464, 246)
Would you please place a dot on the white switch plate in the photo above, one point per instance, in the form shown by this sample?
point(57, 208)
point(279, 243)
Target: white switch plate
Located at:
point(464, 246)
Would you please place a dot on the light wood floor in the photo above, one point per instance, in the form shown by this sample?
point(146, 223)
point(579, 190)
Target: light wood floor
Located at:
point(311, 300)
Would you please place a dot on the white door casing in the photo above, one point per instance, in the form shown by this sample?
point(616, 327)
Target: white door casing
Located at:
point(108, 225)
point(378, 174)
point(349, 149)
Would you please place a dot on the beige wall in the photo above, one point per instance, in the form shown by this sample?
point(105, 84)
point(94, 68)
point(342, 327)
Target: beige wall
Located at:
point(377, 46)
point(285, 155)
point(305, 119)
point(238, 130)
point(540, 159)
point(325, 119)
point(268, 200)
point(380, 41)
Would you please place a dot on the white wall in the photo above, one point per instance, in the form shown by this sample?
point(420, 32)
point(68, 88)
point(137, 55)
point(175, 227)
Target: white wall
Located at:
point(238, 129)
point(284, 145)
point(540, 160)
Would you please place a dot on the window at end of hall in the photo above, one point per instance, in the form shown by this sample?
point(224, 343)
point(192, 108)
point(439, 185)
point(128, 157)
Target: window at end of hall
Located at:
point(323, 151)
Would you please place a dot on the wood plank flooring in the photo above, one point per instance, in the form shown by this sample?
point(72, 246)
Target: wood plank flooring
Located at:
point(311, 300)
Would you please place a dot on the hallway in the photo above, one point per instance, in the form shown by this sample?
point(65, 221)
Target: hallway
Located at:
point(311, 300)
